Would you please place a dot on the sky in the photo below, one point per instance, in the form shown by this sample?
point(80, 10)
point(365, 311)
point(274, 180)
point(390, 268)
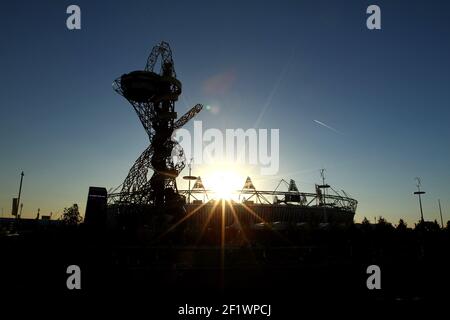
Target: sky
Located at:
point(370, 106)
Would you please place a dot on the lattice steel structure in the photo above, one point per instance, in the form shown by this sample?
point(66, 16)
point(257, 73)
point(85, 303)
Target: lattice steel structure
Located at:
point(276, 208)
point(153, 93)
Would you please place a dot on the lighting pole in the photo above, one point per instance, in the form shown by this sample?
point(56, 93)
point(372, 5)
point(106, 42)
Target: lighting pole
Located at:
point(324, 187)
point(189, 181)
point(419, 193)
point(189, 178)
point(20, 192)
point(440, 212)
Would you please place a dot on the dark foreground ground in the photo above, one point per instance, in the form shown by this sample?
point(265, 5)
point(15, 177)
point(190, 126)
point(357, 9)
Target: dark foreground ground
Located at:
point(323, 269)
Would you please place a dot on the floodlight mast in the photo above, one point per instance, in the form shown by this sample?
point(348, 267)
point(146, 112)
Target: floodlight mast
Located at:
point(153, 93)
point(419, 193)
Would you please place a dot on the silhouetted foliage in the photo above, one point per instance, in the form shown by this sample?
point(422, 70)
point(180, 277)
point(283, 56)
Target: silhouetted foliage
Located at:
point(383, 225)
point(402, 226)
point(71, 216)
point(428, 226)
point(365, 225)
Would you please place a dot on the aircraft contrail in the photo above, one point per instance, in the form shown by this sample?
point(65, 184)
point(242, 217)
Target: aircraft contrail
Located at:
point(327, 126)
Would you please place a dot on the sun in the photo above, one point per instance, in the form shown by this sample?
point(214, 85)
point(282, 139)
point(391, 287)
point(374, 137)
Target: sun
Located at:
point(224, 184)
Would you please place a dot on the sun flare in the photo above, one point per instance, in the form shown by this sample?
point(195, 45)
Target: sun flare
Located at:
point(224, 184)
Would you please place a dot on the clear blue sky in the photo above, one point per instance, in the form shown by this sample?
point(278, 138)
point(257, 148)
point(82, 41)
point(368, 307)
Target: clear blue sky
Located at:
point(386, 91)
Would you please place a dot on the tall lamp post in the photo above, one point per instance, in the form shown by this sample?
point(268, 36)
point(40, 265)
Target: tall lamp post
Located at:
point(190, 177)
point(419, 193)
point(440, 213)
point(20, 192)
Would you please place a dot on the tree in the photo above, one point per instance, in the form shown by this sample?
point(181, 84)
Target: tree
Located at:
point(402, 226)
point(383, 225)
point(428, 226)
point(71, 215)
point(365, 225)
